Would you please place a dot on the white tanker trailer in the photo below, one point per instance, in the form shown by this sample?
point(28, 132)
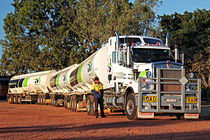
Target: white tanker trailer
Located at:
point(33, 87)
point(138, 76)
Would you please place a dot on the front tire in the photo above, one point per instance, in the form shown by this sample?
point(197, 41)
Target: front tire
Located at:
point(90, 109)
point(131, 108)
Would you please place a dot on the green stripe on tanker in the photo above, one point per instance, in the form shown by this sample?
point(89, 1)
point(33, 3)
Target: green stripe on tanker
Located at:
point(25, 82)
point(79, 78)
point(57, 80)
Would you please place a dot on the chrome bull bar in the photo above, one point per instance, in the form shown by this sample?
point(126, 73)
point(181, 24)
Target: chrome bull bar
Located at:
point(167, 93)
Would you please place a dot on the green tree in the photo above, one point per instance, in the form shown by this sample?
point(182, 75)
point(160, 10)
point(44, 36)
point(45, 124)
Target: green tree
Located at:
point(37, 37)
point(144, 15)
point(96, 20)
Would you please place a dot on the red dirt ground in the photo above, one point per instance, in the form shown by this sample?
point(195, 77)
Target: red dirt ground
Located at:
point(47, 122)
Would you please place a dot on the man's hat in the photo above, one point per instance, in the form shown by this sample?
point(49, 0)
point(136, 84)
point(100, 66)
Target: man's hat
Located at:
point(96, 78)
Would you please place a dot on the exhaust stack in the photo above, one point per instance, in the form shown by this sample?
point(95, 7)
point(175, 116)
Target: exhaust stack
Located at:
point(117, 41)
point(167, 40)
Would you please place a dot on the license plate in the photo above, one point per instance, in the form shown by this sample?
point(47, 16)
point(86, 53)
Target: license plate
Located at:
point(171, 100)
point(191, 100)
point(149, 99)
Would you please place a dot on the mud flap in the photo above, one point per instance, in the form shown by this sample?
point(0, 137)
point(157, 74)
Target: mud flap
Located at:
point(145, 115)
point(191, 116)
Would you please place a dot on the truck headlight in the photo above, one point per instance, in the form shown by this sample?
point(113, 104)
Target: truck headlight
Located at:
point(190, 87)
point(147, 85)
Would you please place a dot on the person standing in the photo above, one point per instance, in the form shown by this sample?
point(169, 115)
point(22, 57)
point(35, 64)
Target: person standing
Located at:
point(97, 90)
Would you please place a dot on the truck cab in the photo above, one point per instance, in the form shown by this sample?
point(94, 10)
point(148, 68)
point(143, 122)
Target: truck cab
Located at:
point(136, 54)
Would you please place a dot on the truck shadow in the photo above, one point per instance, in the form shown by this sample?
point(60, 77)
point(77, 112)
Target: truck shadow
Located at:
point(81, 128)
point(205, 135)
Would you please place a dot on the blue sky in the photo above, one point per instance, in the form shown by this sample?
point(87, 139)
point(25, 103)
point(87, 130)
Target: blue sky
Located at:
point(167, 7)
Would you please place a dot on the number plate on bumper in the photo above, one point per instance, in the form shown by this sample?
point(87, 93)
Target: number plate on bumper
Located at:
point(149, 99)
point(191, 100)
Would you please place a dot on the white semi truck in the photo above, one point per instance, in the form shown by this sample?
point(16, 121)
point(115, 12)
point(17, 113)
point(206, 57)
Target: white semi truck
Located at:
point(138, 76)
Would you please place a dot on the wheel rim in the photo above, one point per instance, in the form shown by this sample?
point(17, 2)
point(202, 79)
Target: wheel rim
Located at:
point(130, 107)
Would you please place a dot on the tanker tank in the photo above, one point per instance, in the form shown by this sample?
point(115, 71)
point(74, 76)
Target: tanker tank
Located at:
point(29, 87)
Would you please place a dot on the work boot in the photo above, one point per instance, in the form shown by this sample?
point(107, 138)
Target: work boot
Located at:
point(103, 116)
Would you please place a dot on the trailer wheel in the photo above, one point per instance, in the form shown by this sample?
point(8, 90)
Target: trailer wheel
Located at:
point(54, 103)
point(44, 100)
point(180, 116)
point(70, 103)
point(19, 99)
point(90, 109)
point(74, 104)
point(51, 100)
point(11, 99)
point(65, 102)
point(131, 108)
point(15, 99)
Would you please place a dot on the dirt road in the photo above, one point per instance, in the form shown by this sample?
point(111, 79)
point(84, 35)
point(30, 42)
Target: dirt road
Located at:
point(47, 122)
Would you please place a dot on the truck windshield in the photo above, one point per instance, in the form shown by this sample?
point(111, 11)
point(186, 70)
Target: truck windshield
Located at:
point(149, 55)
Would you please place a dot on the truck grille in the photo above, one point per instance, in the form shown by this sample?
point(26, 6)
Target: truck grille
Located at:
point(165, 74)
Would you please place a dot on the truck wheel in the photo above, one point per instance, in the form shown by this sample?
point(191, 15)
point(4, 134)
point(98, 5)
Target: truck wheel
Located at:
point(131, 108)
point(180, 116)
point(90, 109)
